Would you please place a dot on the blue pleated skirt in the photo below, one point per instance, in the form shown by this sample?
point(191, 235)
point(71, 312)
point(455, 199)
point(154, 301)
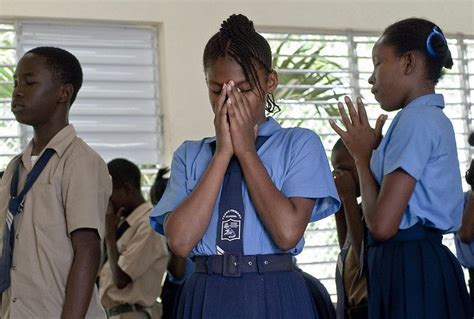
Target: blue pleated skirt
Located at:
point(271, 295)
point(414, 276)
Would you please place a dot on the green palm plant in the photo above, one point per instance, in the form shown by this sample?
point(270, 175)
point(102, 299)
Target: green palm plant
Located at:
point(9, 144)
point(6, 80)
point(305, 76)
point(7, 59)
point(307, 82)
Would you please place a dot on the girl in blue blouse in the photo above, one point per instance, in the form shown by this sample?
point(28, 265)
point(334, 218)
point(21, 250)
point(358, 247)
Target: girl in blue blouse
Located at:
point(240, 202)
point(410, 181)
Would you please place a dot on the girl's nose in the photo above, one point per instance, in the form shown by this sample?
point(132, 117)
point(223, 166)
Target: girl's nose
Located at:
point(371, 79)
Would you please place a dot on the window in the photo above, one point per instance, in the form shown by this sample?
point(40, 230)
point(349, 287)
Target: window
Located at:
point(10, 135)
point(315, 71)
point(117, 109)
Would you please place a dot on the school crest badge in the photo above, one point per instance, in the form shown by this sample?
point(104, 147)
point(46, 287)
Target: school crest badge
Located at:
point(231, 225)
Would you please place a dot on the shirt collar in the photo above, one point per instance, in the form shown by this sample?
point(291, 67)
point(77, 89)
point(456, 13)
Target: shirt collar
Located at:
point(138, 213)
point(59, 143)
point(428, 100)
point(267, 128)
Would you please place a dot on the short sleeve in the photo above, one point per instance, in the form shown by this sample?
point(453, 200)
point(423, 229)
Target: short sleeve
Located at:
point(309, 175)
point(175, 192)
point(146, 246)
point(87, 186)
point(410, 144)
point(464, 252)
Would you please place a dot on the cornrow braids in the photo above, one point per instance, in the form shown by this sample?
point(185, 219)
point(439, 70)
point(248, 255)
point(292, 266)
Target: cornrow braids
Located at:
point(238, 39)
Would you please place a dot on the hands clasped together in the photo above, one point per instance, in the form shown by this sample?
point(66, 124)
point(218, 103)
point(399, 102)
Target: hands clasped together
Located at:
point(236, 128)
point(359, 137)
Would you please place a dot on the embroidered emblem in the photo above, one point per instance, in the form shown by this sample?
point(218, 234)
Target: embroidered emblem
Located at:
point(231, 225)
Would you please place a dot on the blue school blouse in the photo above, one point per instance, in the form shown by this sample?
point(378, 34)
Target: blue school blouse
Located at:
point(295, 161)
point(420, 140)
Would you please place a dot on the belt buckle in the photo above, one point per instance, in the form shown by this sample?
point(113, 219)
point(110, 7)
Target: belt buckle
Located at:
point(231, 264)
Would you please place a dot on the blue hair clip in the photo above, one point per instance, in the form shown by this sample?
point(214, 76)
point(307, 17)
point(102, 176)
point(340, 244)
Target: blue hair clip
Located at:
point(435, 32)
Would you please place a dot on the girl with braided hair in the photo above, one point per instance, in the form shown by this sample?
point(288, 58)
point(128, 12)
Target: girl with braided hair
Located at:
point(239, 202)
point(410, 181)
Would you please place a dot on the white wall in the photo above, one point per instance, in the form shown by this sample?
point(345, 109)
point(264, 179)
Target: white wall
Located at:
point(185, 27)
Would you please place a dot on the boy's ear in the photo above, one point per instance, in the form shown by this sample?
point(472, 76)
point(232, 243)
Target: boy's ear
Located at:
point(65, 93)
point(272, 82)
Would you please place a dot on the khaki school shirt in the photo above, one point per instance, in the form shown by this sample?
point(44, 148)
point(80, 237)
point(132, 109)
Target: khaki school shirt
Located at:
point(71, 192)
point(355, 281)
point(143, 256)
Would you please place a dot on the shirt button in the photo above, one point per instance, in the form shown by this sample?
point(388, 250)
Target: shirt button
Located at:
point(16, 236)
point(14, 300)
point(13, 267)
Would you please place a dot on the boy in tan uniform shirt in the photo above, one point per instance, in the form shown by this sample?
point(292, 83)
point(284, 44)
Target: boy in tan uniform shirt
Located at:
point(352, 288)
point(57, 234)
point(130, 280)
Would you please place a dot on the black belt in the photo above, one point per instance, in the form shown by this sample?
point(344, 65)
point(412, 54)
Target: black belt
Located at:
point(117, 310)
point(233, 265)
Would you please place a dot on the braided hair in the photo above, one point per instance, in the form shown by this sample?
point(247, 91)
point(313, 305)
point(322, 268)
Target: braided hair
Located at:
point(424, 36)
point(238, 39)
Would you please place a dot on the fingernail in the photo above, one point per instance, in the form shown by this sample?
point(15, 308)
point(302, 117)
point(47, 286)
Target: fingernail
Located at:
point(229, 102)
point(238, 90)
point(339, 105)
point(359, 99)
point(347, 99)
point(231, 83)
point(224, 86)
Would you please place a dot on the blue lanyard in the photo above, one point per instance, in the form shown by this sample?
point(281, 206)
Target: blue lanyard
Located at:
point(16, 202)
point(15, 206)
